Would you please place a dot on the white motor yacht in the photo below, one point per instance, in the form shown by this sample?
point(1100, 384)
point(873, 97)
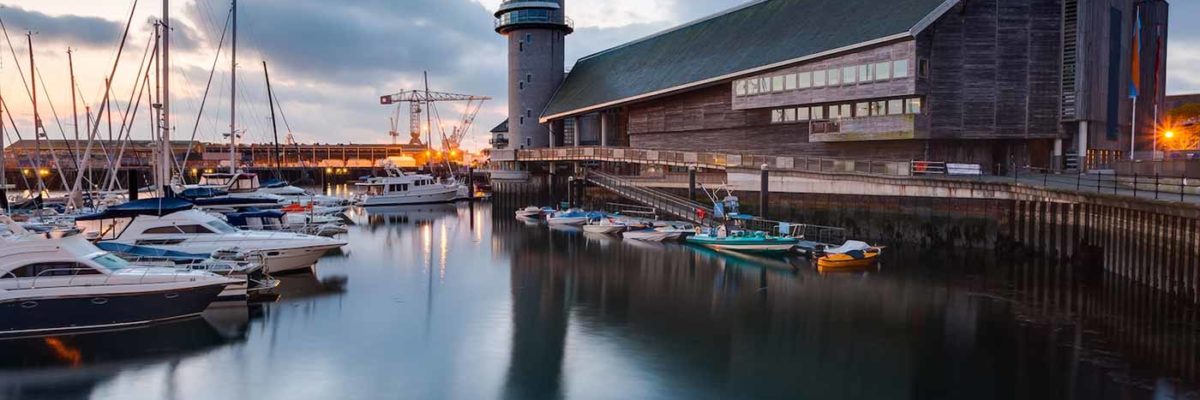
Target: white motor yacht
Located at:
point(605, 225)
point(172, 225)
point(54, 284)
point(399, 188)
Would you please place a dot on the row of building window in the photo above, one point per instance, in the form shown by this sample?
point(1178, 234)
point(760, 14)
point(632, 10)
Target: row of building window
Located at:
point(846, 110)
point(846, 76)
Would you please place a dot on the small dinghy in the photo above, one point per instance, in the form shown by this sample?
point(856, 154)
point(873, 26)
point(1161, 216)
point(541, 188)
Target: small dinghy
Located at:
point(605, 226)
point(529, 212)
point(852, 255)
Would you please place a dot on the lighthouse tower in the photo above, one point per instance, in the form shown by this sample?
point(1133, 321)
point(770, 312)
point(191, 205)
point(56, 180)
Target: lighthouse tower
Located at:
point(536, 32)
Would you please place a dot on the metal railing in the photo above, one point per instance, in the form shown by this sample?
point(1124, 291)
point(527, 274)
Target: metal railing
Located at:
point(1157, 187)
point(717, 161)
point(685, 210)
point(76, 273)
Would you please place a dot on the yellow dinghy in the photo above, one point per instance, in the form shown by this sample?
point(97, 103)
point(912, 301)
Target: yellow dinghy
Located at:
point(852, 255)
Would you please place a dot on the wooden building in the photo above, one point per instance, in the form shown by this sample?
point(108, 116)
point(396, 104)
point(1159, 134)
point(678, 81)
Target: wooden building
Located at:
point(996, 82)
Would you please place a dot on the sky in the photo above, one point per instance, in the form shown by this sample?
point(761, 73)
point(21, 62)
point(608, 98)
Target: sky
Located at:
point(329, 61)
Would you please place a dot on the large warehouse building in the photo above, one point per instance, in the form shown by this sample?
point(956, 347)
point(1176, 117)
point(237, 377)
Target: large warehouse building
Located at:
point(1044, 83)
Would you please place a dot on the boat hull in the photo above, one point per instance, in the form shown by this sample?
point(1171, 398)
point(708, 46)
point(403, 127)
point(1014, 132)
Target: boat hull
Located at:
point(410, 199)
point(831, 263)
point(652, 236)
point(606, 229)
point(745, 246)
point(294, 260)
point(39, 315)
point(574, 221)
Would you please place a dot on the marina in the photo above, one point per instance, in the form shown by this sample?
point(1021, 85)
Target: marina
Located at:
point(852, 199)
point(465, 301)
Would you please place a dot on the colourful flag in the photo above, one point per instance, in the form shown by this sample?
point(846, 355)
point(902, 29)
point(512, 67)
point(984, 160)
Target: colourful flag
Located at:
point(1136, 83)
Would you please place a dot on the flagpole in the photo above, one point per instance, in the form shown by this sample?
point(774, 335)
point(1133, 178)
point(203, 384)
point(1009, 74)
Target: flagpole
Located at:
point(1133, 131)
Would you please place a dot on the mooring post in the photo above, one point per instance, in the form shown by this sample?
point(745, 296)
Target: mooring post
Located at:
point(132, 176)
point(570, 192)
point(764, 193)
point(692, 184)
point(470, 183)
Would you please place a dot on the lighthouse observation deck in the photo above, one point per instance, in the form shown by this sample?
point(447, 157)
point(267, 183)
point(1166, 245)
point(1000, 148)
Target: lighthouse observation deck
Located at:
point(520, 14)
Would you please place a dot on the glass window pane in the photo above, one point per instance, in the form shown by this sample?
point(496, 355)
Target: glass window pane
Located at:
point(864, 73)
point(789, 82)
point(789, 115)
point(818, 79)
point(739, 88)
point(752, 86)
point(878, 107)
point(914, 106)
point(845, 111)
point(900, 69)
point(895, 107)
point(802, 114)
point(818, 112)
point(834, 77)
point(764, 85)
point(777, 83)
point(849, 75)
point(776, 116)
point(804, 80)
point(883, 71)
point(862, 109)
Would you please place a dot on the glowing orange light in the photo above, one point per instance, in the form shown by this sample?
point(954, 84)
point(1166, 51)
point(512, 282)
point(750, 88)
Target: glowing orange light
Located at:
point(1169, 134)
point(64, 352)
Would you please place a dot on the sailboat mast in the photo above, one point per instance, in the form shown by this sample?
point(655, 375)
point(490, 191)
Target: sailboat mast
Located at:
point(274, 126)
point(165, 156)
point(37, 119)
point(233, 96)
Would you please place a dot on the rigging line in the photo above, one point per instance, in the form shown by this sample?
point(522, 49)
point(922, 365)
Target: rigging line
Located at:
point(279, 106)
point(70, 147)
point(94, 131)
point(100, 90)
point(17, 131)
point(204, 100)
point(125, 113)
point(10, 141)
point(143, 67)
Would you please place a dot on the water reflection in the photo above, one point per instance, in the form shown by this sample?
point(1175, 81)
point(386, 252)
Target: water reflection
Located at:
point(468, 302)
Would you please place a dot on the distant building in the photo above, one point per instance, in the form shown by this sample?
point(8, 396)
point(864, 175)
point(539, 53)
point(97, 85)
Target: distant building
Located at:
point(994, 82)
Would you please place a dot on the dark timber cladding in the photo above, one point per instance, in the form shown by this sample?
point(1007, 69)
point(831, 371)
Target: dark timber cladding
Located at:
point(993, 82)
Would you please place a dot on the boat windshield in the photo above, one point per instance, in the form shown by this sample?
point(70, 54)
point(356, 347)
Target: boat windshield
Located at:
point(111, 262)
point(221, 226)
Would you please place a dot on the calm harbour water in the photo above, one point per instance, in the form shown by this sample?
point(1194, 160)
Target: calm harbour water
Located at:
point(465, 302)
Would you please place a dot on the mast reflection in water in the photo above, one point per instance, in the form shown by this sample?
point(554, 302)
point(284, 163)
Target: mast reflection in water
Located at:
point(467, 302)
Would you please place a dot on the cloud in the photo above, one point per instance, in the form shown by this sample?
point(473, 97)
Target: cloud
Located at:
point(68, 29)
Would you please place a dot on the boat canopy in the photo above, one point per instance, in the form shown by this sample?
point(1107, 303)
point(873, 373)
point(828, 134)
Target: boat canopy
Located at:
point(149, 252)
point(238, 219)
point(849, 246)
point(148, 207)
point(202, 193)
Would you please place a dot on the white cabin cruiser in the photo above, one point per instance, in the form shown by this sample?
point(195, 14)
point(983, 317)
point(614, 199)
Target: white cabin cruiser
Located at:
point(399, 188)
point(172, 225)
point(66, 284)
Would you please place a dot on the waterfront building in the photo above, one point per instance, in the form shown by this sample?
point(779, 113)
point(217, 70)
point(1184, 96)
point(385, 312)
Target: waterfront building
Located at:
point(1000, 83)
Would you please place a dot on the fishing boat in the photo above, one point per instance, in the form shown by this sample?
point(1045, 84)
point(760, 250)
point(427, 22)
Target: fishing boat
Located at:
point(852, 255)
point(399, 188)
point(605, 226)
point(744, 241)
point(53, 285)
point(172, 224)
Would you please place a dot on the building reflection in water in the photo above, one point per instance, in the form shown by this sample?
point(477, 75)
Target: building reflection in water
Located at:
point(696, 323)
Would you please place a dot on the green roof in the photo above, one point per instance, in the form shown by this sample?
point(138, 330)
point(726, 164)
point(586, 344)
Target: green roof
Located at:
point(756, 35)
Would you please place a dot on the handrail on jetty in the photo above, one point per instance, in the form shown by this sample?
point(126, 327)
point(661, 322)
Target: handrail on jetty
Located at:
point(685, 209)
